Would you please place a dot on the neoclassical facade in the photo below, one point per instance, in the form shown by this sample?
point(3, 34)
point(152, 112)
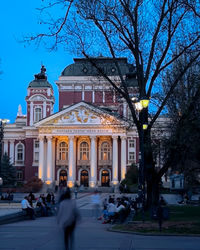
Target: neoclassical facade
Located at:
point(90, 141)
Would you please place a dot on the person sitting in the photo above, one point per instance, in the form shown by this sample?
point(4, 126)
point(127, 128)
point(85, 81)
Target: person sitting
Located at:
point(42, 205)
point(27, 208)
point(111, 212)
point(52, 198)
point(31, 198)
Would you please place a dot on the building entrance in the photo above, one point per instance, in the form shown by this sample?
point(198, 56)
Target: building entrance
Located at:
point(63, 178)
point(105, 180)
point(84, 178)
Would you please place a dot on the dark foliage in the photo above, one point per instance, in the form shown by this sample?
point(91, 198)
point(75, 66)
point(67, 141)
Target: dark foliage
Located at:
point(8, 172)
point(33, 185)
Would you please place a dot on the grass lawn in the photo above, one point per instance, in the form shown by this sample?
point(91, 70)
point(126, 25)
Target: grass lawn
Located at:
point(183, 220)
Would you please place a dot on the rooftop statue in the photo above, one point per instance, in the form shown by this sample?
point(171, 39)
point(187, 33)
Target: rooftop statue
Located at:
point(19, 113)
point(41, 75)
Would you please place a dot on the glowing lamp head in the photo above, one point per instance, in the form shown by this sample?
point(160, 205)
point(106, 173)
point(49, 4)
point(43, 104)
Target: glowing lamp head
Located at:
point(144, 126)
point(144, 102)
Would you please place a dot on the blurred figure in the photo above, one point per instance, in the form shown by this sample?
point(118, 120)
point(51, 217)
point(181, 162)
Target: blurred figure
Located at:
point(67, 218)
point(76, 191)
point(96, 201)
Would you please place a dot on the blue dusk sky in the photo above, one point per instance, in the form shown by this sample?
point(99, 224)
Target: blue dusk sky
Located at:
point(19, 63)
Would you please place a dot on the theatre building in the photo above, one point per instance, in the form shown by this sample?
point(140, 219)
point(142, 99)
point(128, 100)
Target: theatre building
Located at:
point(89, 141)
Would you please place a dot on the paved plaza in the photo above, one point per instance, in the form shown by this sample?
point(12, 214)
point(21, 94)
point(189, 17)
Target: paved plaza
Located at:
point(90, 234)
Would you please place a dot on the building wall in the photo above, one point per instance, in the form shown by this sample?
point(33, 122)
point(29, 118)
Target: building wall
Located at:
point(30, 170)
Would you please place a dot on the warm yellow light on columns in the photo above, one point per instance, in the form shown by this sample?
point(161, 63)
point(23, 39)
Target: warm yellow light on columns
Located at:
point(41, 158)
point(123, 157)
point(115, 160)
point(93, 165)
point(70, 182)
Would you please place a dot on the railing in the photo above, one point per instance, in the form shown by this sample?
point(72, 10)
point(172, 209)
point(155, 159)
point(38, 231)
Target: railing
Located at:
point(62, 162)
point(105, 162)
point(83, 162)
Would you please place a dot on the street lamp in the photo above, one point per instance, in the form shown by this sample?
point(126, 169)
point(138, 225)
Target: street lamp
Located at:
point(141, 106)
point(2, 123)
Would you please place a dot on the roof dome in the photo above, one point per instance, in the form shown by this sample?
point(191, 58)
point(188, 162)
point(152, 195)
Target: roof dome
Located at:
point(84, 67)
point(40, 80)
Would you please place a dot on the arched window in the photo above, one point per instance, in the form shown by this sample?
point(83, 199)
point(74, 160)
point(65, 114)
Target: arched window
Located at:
point(105, 151)
point(63, 151)
point(84, 151)
point(19, 153)
point(37, 114)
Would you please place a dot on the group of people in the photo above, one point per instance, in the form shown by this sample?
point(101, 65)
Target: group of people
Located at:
point(43, 204)
point(113, 208)
point(8, 196)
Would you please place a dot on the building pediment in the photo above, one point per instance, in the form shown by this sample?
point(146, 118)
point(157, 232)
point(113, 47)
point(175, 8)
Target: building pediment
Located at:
point(81, 114)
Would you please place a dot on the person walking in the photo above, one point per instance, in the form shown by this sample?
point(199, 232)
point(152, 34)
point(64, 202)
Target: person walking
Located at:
point(67, 217)
point(96, 203)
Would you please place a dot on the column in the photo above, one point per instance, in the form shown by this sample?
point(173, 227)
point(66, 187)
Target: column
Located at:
point(74, 165)
point(44, 109)
point(123, 157)
point(114, 96)
point(70, 182)
point(93, 164)
point(49, 160)
point(125, 109)
point(53, 158)
point(83, 94)
point(31, 114)
point(5, 147)
point(115, 160)
point(11, 151)
point(103, 96)
point(41, 158)
point(93, 96)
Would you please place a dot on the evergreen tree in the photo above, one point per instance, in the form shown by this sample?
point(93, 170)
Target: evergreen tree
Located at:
point(8, 172)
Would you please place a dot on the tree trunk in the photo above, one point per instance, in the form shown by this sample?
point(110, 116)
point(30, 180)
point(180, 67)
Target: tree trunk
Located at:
point(152, 189)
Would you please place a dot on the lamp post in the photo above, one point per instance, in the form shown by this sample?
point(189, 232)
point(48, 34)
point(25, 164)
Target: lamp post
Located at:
point(141, 106)
point(2, 123)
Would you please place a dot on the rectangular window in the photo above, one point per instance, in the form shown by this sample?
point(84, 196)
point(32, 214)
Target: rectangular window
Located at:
point(19, 175)
point(131, 156)
point(131, 143)
point(37, 144)
point(19, 156)
point(36, 151)
point(36, 157)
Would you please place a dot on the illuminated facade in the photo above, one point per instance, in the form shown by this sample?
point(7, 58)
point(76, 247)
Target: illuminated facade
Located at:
point(89, 141)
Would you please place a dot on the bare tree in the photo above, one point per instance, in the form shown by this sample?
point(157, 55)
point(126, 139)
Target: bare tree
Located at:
point(152, 34)
point(182, 149)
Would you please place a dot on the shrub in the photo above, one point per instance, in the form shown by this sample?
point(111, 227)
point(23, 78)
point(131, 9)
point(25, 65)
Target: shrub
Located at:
point(131, 179)
point(33, 185)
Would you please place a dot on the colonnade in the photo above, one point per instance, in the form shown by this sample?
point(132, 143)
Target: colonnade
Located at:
point(47, 160)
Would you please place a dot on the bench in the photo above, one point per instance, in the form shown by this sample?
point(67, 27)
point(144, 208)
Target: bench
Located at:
point(15, 217)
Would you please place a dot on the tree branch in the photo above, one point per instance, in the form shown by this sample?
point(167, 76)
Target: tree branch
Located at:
point(172, 88)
